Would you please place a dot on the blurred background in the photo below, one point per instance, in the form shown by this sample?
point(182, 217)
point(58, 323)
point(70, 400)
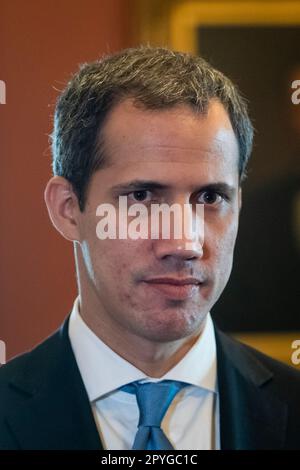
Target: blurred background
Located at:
point(256, 43)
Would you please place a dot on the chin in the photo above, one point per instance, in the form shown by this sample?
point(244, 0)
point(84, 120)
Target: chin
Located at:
point(173, 327)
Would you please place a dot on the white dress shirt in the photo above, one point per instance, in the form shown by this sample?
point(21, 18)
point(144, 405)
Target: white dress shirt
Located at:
point(192, 420)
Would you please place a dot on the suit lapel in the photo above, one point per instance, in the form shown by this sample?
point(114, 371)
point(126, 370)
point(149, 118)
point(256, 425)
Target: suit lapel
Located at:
point(53, 409)
point(251, 417)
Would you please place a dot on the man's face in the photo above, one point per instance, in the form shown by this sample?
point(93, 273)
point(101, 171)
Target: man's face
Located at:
point(188, 158)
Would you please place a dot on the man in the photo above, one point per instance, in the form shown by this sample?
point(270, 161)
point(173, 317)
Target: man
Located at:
point(138, 363)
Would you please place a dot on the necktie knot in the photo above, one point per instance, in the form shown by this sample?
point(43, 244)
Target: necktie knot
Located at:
point(154, 399)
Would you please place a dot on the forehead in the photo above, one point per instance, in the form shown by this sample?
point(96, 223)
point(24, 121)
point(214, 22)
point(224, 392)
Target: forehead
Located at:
point(178, 139)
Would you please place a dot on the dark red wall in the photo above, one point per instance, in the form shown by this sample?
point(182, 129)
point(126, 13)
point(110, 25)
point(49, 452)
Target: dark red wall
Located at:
point(41, 44)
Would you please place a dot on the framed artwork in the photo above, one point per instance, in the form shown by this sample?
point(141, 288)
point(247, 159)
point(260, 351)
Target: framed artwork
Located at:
point(256, 44)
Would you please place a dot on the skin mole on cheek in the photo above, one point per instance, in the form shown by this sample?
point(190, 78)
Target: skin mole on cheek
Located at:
point(126, 298)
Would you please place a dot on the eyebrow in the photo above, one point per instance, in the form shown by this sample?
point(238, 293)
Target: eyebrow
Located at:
point(150, 185)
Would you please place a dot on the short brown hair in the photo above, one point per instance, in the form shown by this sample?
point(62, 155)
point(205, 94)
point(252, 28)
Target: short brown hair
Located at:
point(154, 77)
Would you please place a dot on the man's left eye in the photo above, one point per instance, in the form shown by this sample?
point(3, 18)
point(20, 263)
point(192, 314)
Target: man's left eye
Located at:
point(210, 198)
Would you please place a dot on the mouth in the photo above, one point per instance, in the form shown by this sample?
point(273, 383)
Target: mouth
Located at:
point(175, 288)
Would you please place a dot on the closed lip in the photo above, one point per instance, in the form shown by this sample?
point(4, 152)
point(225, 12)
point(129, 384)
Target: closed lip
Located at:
point(174, 281)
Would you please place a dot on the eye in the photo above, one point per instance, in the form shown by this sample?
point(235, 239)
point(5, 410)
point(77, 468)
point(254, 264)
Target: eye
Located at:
point(211, 198)
point(142, 195)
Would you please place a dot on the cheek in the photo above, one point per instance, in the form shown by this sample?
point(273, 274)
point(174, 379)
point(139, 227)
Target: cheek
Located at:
point(114, 261)
point(220, 240)
point(225, 252)
point(115, 264)
point(111, 263)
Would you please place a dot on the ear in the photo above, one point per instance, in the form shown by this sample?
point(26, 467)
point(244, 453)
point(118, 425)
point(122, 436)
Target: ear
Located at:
point(240, 198)
point(63, 207)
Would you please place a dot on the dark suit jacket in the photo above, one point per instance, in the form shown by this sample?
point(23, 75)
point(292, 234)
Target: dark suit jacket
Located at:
point(44, 405)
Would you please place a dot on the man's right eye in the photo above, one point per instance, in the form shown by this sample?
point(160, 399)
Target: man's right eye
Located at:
point(142, 195)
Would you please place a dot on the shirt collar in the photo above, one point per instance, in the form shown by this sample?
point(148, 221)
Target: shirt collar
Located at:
point(104, 371)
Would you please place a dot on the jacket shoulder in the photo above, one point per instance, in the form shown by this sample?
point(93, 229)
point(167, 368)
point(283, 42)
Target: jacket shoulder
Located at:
point(28, 369)
point(249, 361)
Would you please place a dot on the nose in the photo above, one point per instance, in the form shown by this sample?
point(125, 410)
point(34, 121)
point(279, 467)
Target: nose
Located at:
point(186, 237)
point(177, 249)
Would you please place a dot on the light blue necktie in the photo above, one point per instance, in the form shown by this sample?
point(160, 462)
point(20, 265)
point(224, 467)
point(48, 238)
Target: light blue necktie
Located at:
point(153, 400)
